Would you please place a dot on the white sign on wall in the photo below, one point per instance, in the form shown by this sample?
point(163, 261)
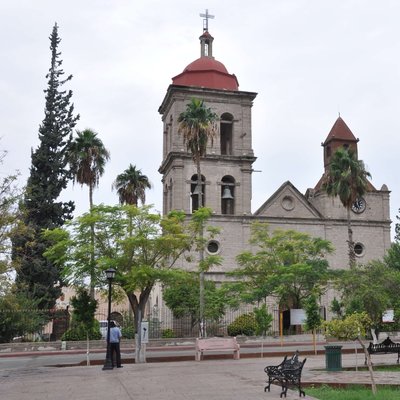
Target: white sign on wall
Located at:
point(144, 334)
point(388, 316)
point(297, 316)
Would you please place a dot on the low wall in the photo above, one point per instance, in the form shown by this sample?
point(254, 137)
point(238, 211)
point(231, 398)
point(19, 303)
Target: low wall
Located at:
point(190, 342)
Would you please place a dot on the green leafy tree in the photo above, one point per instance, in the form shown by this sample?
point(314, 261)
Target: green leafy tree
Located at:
point(37, 277)
point(182, 296)
point(83, 317)
point(347, 179)
point(84, 309)
point(313, 317)
point(142, 246)
point(263, 319)
point(131, 186)
point(10, 195)
point(16, 319)
point(352, 327)
point(392, 257)
point(87, 158)
point(337, 308)
point(370, 288)
point(18, 316)
point(287, 264)
point(197, 124)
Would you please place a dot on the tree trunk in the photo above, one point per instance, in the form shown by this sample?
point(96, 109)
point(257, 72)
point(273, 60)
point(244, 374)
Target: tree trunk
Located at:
point(87, 349)
point(202, 331)
point(92, 261)
point(352, 255)
point(138, 305)
point(199, 184)
point(371, 371)
point(138, 308)
point(314, 341)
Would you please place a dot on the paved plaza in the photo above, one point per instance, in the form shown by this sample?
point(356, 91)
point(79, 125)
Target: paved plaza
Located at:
point(183, 380)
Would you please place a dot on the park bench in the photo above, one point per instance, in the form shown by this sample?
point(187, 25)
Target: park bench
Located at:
point(386, 347)
point(286, 374)
point(217, 344)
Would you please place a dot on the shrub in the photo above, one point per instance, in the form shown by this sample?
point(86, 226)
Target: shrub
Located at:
point(243, 325)
point(128, 331)
point(128, 326)
point(263, 319)
point(78, 332)
point(167, 334)
point(349, 328)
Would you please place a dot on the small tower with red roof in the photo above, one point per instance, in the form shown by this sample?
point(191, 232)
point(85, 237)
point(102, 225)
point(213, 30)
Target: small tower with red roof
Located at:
point(339, 136)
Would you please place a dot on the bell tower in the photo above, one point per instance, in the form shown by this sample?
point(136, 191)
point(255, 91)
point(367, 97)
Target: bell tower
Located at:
point(339, 136)
point(227, 167)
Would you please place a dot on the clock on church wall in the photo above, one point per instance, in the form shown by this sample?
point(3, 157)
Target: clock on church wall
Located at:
point(359, 205)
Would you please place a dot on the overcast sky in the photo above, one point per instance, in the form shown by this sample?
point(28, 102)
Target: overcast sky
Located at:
point(308, 60)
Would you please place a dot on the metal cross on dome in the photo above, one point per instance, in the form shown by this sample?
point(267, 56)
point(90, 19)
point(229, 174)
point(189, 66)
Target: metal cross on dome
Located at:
point(206, 16)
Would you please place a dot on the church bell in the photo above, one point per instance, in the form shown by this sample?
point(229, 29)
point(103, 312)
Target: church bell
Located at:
point(197, 190)
point(227, 193)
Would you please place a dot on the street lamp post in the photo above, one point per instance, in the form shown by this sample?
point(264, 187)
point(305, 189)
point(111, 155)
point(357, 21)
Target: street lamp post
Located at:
point(110, 274)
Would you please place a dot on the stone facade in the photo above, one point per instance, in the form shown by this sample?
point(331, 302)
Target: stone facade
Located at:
point(228, 165)
point(177, 166)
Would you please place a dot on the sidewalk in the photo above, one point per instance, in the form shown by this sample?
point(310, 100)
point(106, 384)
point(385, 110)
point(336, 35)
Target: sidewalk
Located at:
point(186, 380)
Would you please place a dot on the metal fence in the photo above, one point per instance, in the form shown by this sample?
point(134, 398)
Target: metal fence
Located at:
point(33, 325)
point(50, 325)
point(163, 324)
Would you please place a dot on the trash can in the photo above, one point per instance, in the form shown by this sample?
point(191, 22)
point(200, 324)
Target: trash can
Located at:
point(333, 358)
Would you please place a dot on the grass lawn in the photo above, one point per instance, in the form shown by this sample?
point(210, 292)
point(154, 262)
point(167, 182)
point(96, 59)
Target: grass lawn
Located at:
point(353, 393)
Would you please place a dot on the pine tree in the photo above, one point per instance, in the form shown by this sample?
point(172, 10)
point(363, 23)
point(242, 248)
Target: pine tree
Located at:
point(38, 278)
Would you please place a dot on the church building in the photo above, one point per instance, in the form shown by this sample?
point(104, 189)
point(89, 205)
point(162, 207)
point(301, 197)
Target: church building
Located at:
point(228, 167)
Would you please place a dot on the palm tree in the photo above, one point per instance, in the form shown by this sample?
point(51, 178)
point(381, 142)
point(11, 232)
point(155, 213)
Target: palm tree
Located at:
point(197, 124)
point(87, 158)
point(131, 186)
point(347, 178)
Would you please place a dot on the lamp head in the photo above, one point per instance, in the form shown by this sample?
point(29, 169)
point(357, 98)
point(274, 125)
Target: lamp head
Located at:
point(110, 273)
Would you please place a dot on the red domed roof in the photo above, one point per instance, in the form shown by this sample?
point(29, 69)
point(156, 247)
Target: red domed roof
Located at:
point(204, 63)
point(207, 72)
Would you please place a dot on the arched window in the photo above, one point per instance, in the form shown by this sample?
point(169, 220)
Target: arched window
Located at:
point(328, 151)
point(170, 193)
point(226, 132)
point(228, 195)
point(166, 196)
point(197, 190)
